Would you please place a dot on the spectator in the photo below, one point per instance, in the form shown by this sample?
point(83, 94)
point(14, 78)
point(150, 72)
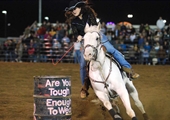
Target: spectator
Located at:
point(31, 52)
point(123, 27)
point(6, 50)
point(132, 37)
point(123, 46)
point(41, 32)
point(47, 35)
point(145, 56)
point(147, 46)
point(153, 57)
point(168, 29)
point(61, 33)
point(147, 28)
point(103, 28)
point(132, 58)
point(12, 46)
point(160, 23)
point(66, 38)
point(56, 44)
point(141, 27)
point(141, 41)
point(19, 50)
point(156, 46)
point(43, 54)
point(161, 55)
point(52, 32)
point(25, 53)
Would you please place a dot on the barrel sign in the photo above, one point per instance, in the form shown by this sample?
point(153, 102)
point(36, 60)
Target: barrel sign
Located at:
point(52, 98)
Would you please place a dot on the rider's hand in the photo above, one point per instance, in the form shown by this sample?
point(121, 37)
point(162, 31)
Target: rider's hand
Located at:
point(79, 38)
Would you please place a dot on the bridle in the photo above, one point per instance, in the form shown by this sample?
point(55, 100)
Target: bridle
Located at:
point(95, 48)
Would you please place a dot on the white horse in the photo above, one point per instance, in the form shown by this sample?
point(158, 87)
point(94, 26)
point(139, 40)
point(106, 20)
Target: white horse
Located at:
point(105, 76)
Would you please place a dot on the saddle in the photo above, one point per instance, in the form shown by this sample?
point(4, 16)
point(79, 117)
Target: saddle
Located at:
point(114, 61)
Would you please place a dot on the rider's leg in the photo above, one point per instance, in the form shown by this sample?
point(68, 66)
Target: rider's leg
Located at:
point(84, 77)
point(82, 68)
point(119, 57)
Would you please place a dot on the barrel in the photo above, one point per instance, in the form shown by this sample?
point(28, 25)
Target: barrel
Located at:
point(52, 98)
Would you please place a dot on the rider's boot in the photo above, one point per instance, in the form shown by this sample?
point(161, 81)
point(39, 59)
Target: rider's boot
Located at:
point(131, 73)
point(84, 91)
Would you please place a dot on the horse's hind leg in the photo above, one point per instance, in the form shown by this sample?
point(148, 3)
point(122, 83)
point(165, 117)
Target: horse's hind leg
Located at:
point(104, 98)
point(134, 94)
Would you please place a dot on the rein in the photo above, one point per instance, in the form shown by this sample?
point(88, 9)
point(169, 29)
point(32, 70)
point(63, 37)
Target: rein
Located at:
point(104, 82)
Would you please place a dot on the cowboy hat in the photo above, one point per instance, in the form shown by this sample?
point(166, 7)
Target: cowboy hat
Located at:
point(73, 4)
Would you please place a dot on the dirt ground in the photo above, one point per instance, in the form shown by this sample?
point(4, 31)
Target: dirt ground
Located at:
point(16, 90)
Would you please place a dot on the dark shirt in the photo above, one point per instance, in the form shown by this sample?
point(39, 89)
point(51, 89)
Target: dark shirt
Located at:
point(78, 24)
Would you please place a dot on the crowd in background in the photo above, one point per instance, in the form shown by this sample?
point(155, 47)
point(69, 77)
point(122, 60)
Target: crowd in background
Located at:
point(49, 42)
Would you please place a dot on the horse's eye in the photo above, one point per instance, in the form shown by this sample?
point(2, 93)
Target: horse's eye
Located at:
point(97, 38)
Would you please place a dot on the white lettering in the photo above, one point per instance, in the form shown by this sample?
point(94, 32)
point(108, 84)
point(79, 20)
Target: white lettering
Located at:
point(62, 92)
point(50, 102)
point(66, 83)
point(52, 83)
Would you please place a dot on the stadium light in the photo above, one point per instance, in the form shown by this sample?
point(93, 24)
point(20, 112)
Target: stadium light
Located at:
point(130, 16)
point(5, 12)
point(46, 18)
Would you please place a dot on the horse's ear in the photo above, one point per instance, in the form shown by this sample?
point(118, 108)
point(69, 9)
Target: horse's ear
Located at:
point(99, 26)
point(86, 27)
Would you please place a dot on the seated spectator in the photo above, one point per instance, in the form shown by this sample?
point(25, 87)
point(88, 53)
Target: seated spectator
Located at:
point(147, 46)
point(158, 35)
point(153, 56)
point(132, 58)
point(6, 50)
point(132, 37)
point(145, 56)
point(162, 56)
point(116, 44)
point(109, 35)
point(166, 46)
point(123, 46)
point(43, 54)
point(31, 52)
point(61, 33)
point(56, 44)
point(65, 38)
point(52, 32)
point(141, 40)
point(47, 35)
point(25, 53)
point(138, 56)
point(156, 46)
point(41, 32)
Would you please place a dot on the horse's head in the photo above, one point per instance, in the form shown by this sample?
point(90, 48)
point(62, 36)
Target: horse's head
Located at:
point(92, 41)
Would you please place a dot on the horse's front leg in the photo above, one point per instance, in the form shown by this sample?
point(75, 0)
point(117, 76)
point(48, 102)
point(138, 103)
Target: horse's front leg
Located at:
point(106, 102)
point(122, 92)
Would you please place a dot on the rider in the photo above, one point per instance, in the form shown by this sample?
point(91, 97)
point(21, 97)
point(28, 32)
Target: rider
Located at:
point(78, 14)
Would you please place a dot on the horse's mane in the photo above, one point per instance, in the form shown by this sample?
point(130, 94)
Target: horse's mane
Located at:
point(92, 28)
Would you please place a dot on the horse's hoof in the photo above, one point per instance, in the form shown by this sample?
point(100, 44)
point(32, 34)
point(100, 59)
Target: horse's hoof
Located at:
point(145, 116)
point(117, 117)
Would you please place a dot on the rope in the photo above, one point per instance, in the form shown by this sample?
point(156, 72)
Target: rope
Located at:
point(62, 56)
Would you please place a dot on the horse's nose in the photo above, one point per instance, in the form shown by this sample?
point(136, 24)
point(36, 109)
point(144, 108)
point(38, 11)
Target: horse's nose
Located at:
point(88, 54)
